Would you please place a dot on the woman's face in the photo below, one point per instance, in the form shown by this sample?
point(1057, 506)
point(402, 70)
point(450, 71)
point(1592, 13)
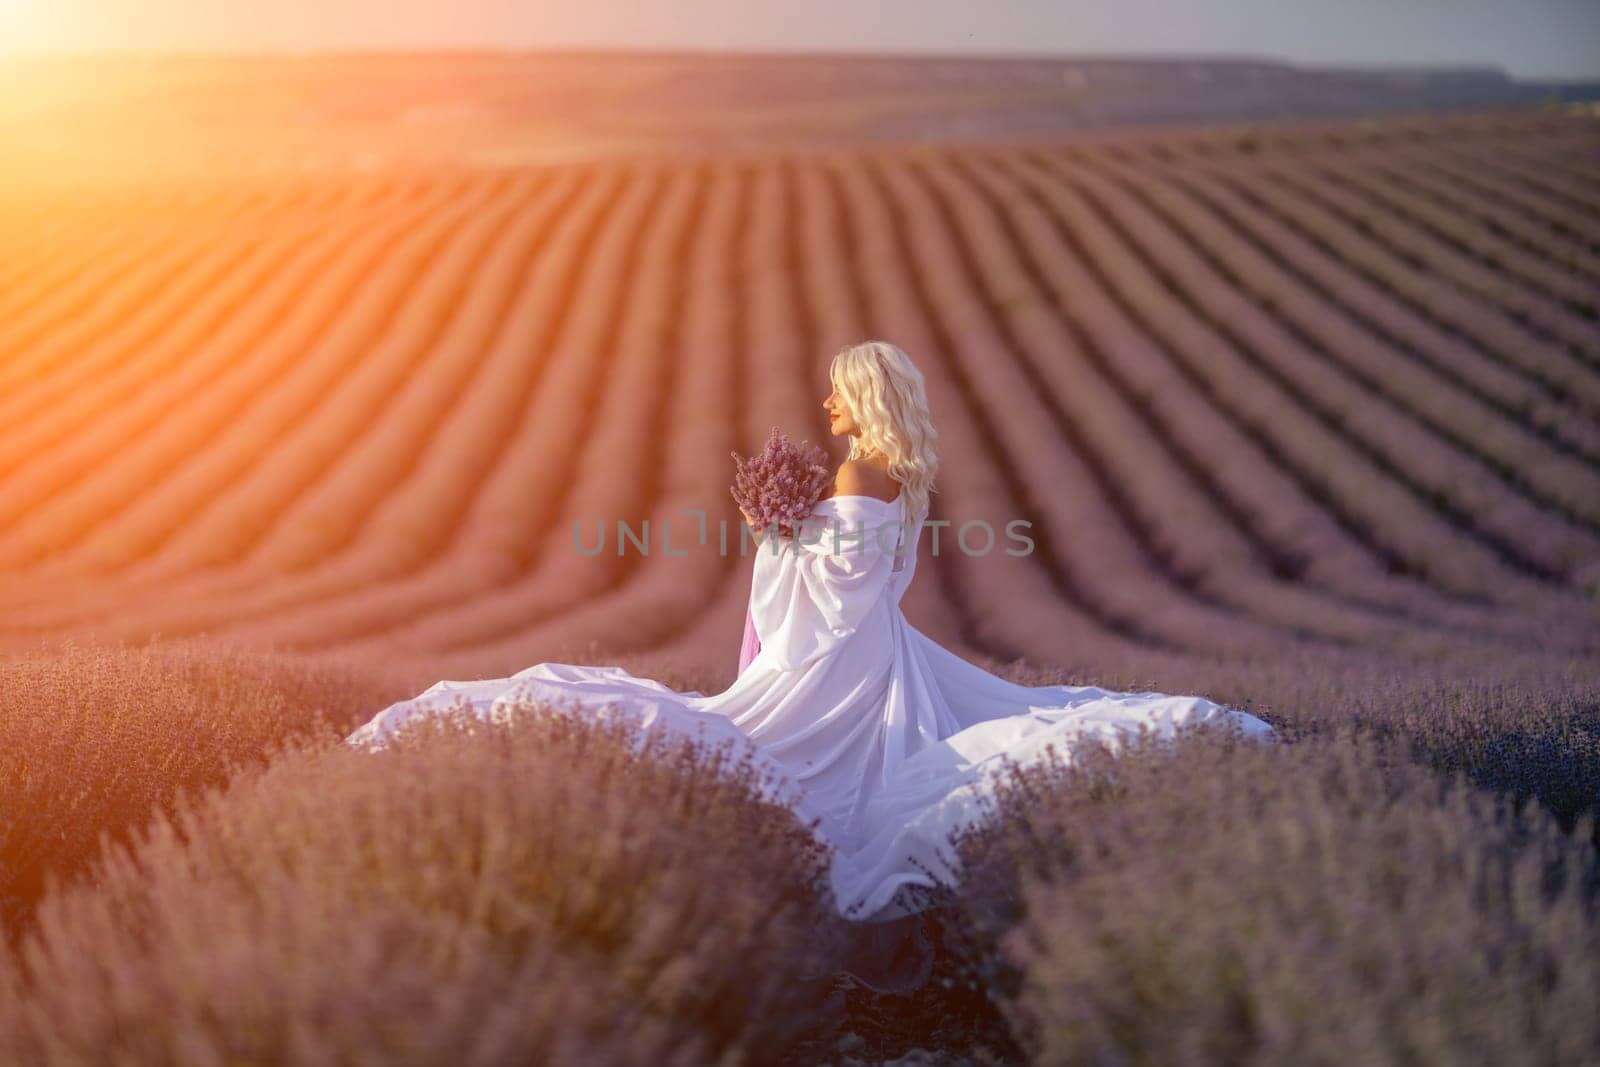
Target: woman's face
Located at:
point(840, 422)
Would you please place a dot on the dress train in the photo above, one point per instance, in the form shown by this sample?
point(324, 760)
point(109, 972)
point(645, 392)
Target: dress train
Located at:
point(863, 723)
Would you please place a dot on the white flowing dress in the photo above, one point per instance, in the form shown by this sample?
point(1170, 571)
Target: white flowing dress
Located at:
point(864, 724)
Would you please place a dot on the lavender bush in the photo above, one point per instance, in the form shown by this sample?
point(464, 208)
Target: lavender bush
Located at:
point(780, 485)
point(96, 738)
point(477, 893)
point(1522, 724)
point(1377, 887)
point(1212, 901)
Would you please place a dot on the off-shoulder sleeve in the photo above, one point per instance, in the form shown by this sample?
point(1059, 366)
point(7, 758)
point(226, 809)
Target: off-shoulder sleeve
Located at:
point(810, 592)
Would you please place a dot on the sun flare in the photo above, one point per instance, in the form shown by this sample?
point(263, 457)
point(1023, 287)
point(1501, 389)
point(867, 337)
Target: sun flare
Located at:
point(23, 27)
point(11, 12)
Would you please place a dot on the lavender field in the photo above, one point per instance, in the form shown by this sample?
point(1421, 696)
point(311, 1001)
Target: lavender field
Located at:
point(1305, 418)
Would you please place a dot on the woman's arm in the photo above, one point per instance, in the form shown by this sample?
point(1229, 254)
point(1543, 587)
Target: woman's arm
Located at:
point(804, 602)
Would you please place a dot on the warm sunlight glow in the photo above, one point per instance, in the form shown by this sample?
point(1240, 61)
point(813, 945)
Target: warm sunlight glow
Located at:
point(33, 27)
point(17, 19)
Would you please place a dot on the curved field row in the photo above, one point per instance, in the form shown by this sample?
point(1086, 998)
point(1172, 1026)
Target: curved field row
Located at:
point(1487, 218)
point(1566, 187)
point(414, 507)
point(614, 468)
point(1524, 163)
point(88, 299)
point(77, 229)
point(388, 439)
point(359, 283)
point(793, 275)
point(1160, 509)
point(1423, 414)
point(695, 402)
point(1206, 468)
point(1443, 220)
point(1024, 605)
point(371, 412)
point(733, 298)
point(1089, 586)
point(37, 263)
point(506, 448)
point(1096, 551)
point(701, 459)
point(1401, 327)
point(314, 413)
point(825, 270)
point(1542, 318)
point(186, 339)
point(1546, 176)
point(1458, 313)
point(1537, 191)
point(835, 309)
point(61, 313)
point(1239, 377)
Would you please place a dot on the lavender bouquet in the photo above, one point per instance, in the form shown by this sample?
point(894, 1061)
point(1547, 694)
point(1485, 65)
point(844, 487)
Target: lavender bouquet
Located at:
point(780, 485)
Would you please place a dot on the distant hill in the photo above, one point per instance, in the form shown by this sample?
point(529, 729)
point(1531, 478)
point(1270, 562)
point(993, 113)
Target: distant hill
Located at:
point(126, 115)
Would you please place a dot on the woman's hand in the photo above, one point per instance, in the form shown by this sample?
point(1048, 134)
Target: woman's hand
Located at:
point(750, 521)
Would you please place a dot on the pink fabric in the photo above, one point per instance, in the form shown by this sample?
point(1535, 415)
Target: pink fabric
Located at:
point(751, 644)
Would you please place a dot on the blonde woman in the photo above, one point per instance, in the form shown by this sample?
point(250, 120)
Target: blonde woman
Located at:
point(871, 728)
point(879, 404)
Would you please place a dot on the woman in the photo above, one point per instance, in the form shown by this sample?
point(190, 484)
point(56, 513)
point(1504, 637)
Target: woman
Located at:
point(871, 727)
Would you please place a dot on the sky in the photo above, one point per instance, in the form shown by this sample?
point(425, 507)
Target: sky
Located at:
point(1527, 38)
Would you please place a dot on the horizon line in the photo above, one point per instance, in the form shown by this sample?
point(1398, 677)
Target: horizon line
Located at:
point(979, 55)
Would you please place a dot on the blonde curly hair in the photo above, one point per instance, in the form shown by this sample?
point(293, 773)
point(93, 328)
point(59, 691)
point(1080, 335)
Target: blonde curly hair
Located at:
point(888, 400)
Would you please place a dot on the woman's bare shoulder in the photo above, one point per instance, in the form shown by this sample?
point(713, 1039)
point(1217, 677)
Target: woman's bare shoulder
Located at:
point(860, 477)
